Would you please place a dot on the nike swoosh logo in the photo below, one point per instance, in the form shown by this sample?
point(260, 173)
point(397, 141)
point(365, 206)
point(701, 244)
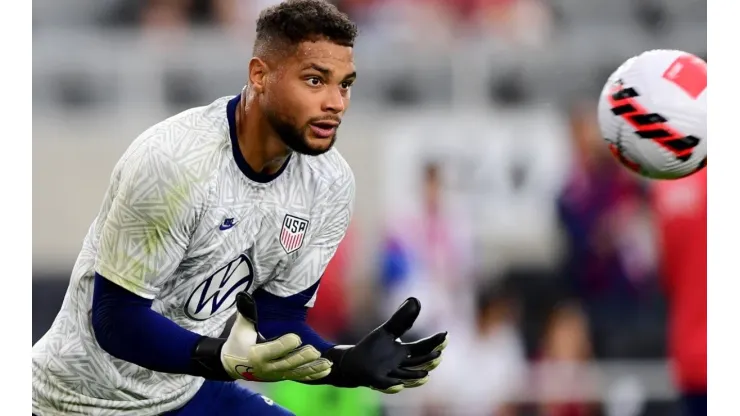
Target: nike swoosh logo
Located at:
point(228, 223)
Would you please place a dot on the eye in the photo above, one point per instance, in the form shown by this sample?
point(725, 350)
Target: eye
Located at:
point(346, 85)
point(314, 81)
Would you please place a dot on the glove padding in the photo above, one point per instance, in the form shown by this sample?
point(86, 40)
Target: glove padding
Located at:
point(247, 355)
point(384, 363)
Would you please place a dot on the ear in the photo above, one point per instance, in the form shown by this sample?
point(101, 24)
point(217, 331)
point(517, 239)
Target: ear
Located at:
point(257, 74)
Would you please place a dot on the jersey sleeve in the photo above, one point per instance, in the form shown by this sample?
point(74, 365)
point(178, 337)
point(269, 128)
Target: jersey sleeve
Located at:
point(147, 229)
point(299, 283)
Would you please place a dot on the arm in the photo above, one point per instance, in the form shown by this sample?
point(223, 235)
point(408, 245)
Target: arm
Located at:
point(143, 239)
point(127, 328)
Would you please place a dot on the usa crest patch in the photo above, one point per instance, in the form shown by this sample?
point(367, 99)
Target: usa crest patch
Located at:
point(292, 233)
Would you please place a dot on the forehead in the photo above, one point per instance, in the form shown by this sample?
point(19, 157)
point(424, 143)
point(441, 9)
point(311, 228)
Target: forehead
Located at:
point(326, 54)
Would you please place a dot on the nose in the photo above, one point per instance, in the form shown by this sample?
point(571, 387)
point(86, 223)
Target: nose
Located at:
point(335, 101)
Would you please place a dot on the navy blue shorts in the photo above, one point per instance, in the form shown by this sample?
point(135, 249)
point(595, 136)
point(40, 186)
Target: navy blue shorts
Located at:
point(219, 398)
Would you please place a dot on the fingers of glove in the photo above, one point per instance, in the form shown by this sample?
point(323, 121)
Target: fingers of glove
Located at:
point(410, 384)
point(299, 357)
point(403, 318)
point(416, 361)
point(444, 343)
point(406, 374)
point(436, 342)
point(312, 367)
point(390, 390)
point(312, 371)
point(277, 348)
point(386, 384)
point(315, 376)
point(428, 366)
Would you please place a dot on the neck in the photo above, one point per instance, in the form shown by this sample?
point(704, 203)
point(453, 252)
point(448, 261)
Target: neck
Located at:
point(259, 144)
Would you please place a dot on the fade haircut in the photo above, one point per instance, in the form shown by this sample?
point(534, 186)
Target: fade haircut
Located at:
point(284, 26)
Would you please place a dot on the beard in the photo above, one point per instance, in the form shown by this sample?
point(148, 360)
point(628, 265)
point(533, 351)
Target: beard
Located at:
point(296, 138)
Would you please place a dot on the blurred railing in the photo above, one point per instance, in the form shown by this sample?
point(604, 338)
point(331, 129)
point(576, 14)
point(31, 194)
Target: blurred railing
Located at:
point(74, 69)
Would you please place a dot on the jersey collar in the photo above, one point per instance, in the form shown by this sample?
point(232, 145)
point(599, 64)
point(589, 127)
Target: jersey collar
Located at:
point(238, 157)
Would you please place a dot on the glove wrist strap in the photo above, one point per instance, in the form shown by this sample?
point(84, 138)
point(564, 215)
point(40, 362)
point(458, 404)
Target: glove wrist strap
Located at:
point(206, 360)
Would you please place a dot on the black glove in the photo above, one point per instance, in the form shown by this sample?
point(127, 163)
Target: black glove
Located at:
point(382, 362)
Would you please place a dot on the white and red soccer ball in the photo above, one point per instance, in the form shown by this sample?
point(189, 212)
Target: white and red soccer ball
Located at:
point(653, 114)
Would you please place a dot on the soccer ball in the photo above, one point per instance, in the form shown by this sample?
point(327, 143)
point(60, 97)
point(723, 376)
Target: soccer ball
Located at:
point(653, 114)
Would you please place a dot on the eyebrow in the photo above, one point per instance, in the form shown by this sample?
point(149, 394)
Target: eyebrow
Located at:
point(327, 72)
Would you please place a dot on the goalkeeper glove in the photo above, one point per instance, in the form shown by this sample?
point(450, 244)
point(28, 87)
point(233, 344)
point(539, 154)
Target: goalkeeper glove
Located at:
point(245, 354)
point(384, 363)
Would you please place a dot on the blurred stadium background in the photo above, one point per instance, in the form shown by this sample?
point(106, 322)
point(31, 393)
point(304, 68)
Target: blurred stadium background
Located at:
point(471, 137)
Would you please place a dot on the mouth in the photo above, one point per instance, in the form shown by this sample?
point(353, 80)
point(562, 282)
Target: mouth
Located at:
point(324, 129)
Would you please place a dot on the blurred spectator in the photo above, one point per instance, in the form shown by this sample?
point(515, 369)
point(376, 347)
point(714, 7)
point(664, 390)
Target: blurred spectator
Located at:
point(681, 217)
point(484, 368)
point(240, 16)
point(562, 377)
point(538, 292)
point(158, 15)
point(428, 254)
point(425, 23)
point(524, 22)
point(166, 15)
point(521, 22)
point(609, 251)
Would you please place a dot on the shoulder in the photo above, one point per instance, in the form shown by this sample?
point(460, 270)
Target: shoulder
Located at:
point(185, 145)
point(178, 157)
point(332, 173)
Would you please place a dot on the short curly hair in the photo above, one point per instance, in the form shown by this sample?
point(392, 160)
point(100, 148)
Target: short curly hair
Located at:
point(294, 21)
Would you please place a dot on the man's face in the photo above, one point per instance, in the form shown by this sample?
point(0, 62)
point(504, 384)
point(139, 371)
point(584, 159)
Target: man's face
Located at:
point(306, 98)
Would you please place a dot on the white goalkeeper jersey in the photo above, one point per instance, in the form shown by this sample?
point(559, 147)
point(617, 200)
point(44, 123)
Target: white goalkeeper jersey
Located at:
point(187, 223)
